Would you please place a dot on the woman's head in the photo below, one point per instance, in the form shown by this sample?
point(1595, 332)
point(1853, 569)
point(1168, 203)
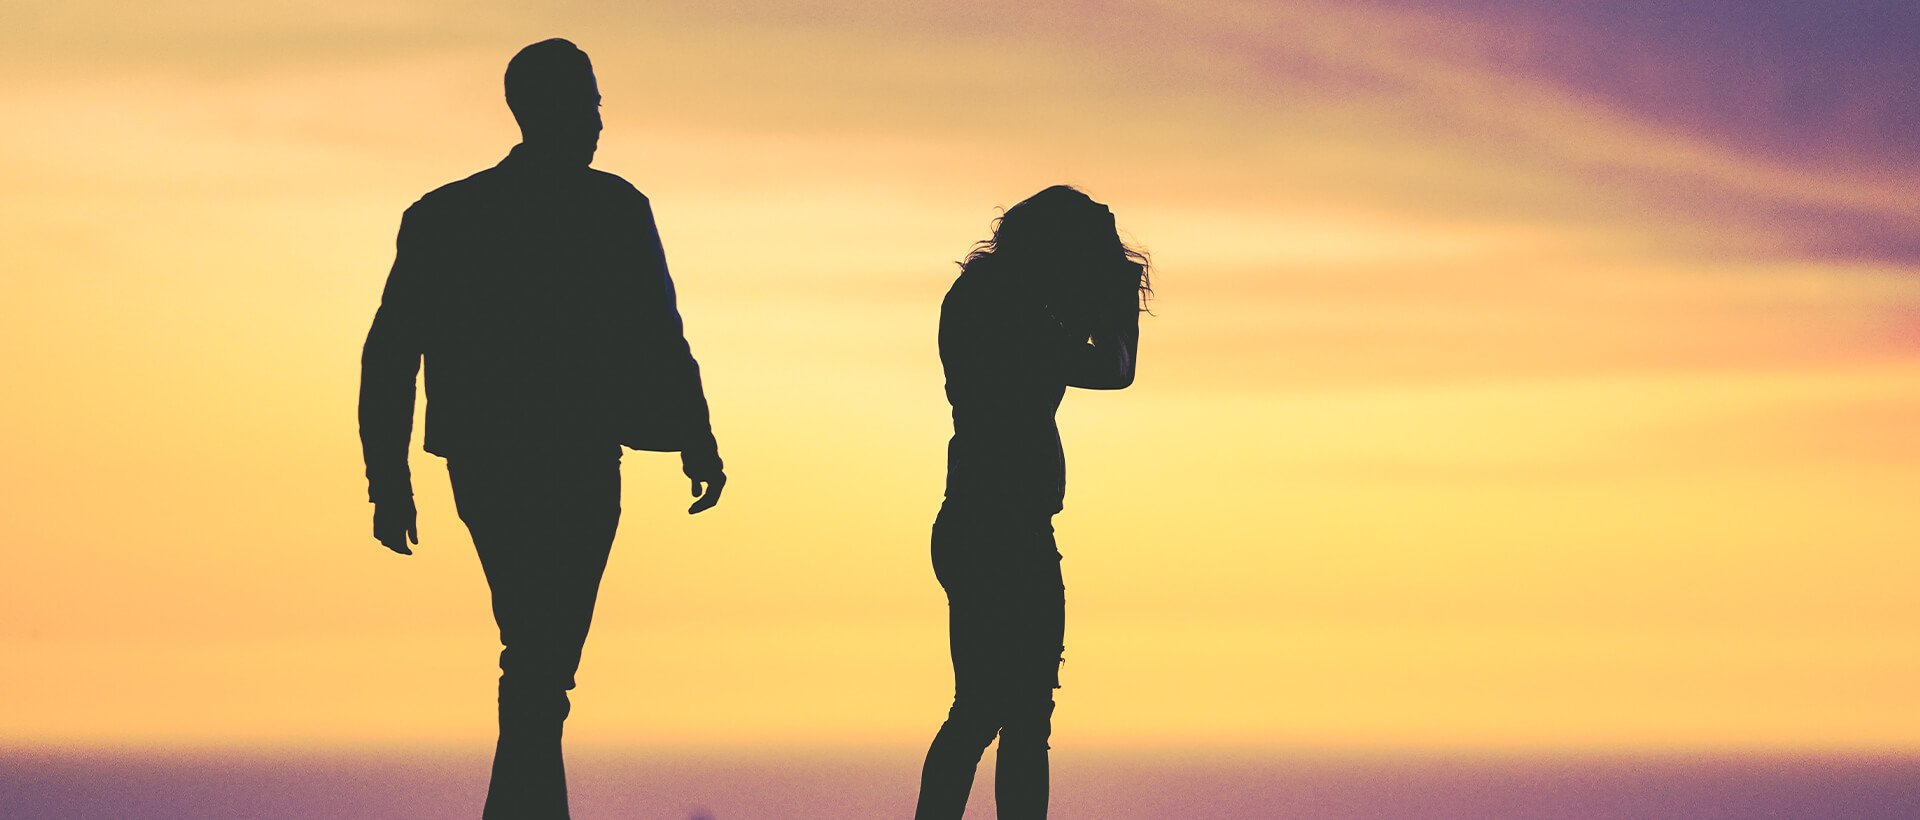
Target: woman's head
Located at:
point(1066, 244)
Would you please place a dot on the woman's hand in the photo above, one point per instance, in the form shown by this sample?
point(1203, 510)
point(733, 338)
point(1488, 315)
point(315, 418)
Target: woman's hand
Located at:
point(1116, 303)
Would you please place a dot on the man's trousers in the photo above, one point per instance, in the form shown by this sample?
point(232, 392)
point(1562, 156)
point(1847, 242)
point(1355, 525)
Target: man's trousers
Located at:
point(543, 526)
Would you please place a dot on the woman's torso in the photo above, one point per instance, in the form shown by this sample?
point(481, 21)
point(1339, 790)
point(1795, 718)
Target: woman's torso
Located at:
point(997, 349)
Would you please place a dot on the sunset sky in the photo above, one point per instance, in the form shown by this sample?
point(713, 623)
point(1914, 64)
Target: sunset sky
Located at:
point(1521, 377)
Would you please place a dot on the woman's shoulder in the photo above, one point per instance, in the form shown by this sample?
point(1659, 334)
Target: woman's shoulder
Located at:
point(969, 290)
point(983, 303)
point(988, 282)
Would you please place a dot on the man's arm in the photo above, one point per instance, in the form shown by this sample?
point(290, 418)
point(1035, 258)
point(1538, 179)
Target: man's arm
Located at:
point(389, 365)
point(700, 454)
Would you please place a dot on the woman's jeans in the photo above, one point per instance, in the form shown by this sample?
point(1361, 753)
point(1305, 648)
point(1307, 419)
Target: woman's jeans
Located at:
point(1006, 620)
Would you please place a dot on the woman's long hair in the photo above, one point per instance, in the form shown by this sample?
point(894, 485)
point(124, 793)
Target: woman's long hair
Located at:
point(1064, 241)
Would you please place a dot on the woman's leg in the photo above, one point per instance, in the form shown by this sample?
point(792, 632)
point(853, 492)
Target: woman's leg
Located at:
point(975, 717)
point(946, 778)
point(1035, 603)
point(1005, 607)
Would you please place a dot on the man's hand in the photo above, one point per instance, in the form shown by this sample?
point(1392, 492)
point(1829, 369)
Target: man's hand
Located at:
point(715, 481)
point(394, 525)
point(702, 465)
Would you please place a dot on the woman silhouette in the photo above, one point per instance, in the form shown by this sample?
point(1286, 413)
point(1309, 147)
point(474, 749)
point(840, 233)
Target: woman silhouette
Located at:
point(1051, 301)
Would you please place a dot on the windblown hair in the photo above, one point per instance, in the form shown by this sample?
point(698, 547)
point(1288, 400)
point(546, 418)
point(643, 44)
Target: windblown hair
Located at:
point(1063, 232)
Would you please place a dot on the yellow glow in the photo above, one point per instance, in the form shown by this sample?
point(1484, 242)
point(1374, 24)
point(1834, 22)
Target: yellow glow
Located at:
point(1434, 444)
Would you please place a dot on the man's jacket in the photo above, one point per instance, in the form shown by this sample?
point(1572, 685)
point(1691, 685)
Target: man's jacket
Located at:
point(538, 296)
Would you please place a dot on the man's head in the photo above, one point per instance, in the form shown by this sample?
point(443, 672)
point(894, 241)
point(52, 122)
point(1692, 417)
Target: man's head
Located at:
point(554, 97)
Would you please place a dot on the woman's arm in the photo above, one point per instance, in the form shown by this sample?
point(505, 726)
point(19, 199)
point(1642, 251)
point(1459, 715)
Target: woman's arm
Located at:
point(1107, 363)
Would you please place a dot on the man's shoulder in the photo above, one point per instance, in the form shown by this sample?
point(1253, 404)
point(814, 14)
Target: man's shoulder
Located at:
point(614, 185)
point(489, 186)
point(455, 194)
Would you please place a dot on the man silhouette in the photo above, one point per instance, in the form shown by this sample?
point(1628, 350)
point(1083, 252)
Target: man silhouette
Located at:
point(537, 293)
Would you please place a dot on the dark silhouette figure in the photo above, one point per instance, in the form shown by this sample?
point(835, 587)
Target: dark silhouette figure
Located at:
point(1051, 301)
point(537, 293)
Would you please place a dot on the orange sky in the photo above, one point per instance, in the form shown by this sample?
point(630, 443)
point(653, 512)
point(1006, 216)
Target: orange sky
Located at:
point(1484, 406)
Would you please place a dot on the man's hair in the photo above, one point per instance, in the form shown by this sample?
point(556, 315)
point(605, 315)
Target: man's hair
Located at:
point(540, 70)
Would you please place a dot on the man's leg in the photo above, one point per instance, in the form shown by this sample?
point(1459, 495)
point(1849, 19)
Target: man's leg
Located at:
point(543, 529)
